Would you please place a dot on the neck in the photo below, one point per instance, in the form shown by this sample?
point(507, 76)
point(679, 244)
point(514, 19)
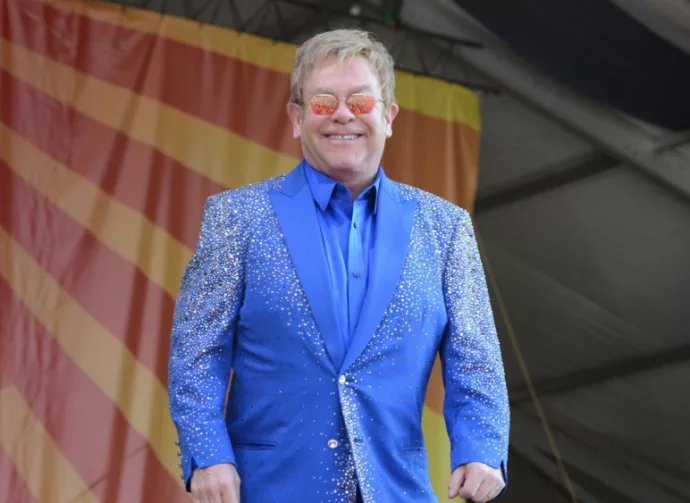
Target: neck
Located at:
point(355, 181)
point(357, 186)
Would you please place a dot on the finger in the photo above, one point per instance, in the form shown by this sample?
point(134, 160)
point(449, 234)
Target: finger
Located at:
point(473, 478)
point(483, 492)
point(494, 492)
point(210, 493)
point(206, 495)
point(198, 489)
point(237, 490)
point(455, 482)
point(197, 492)
point(227, 492)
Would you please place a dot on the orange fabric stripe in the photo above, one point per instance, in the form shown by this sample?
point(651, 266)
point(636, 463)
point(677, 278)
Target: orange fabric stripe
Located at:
point(12, 483)
point(214, 152)
point(236, 109)
point(141, 177)
point(438, 445)
point(49, 476)
point(76, 414)
point(241, 97)
point(97, 352)
point(146, 327)
point(435, 389)
point(441, 160)
point(440, 100)
point(118, 227)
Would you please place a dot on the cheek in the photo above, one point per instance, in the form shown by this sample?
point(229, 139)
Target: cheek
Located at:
point(309, 126)
point(377, 128)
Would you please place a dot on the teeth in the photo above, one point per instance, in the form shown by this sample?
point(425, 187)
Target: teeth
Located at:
point(343, 136)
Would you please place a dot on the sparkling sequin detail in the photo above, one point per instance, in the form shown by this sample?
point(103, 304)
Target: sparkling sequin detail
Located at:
point(314, 431)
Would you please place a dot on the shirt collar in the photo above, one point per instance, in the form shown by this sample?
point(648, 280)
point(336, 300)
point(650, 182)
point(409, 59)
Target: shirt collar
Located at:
point(323, 186)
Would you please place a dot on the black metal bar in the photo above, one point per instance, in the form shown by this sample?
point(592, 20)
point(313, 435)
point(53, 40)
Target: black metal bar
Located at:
point(470, 85)
point(197, 12)
point(309, 21)
point(259, 11)
point(589, 377)
point(264, 16)
point(473, 44)
point(281, 20)
point(545, 180)
point(326, 14)
point(236, 17)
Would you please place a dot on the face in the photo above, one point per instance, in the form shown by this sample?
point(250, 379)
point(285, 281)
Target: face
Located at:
point(343, 144)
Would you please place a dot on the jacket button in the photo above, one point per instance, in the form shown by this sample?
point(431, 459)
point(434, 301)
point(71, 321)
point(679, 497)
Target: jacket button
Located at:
point(332, 443)
point(342, 379)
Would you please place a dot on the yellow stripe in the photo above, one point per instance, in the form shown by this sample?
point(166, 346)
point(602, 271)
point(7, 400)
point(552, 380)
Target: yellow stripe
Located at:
point(208, 149)
point(100, 355)
point(441, 100)
point(425, 95)
point(438, 446)
point(49, 476)
point(125, 231)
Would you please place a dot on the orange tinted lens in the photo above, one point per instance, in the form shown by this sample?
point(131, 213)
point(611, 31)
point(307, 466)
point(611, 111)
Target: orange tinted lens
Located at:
point(324, 105)
point(361, 103)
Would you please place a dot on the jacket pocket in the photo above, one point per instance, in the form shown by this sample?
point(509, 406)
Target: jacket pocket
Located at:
point(255, 445)
point(413, 444)
point(415, 454)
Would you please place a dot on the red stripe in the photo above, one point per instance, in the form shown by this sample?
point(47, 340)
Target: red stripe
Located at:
point(230, 93)
point(111, 289)
point(238, 96)
point(88, 428)
point(12, 486)
point(141, 177)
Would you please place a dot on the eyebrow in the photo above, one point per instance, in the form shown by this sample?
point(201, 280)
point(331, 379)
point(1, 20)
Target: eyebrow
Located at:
point(354, 90)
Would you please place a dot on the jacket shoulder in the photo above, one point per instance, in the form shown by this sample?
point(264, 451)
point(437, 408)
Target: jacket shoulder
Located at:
point(245, 201)
point(432, 205)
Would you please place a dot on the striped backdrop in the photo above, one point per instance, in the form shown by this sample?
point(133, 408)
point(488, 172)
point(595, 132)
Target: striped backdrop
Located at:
point(115, 125)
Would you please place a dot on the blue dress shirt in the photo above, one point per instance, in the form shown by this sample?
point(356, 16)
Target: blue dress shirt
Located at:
point(348, 232)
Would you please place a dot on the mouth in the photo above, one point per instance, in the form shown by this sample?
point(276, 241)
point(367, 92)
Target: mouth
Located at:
point(343, 137)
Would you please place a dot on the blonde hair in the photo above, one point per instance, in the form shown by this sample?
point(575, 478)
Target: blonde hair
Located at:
point(343, 43)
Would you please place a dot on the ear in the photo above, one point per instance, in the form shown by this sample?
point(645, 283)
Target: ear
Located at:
point(390, 116)
point(294, 112)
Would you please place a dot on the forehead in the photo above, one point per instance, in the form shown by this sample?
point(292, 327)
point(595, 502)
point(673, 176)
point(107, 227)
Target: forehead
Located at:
point(353, 75)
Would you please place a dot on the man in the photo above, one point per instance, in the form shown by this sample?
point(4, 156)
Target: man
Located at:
point(329, 292)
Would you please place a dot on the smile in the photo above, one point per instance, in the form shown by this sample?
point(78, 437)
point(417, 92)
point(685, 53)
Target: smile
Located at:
point(343, 136)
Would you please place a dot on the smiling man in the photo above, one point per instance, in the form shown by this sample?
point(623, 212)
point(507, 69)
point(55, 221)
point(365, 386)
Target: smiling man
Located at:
point(329, 292)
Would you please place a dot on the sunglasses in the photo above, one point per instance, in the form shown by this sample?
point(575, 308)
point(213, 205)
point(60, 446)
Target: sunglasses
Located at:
point(326, 104)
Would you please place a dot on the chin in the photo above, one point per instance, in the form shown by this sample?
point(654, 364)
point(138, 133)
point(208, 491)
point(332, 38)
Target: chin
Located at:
point(343, 164)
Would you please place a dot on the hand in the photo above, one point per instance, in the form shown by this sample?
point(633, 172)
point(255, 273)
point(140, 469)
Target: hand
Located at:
point(216, 484)
point(477, 481)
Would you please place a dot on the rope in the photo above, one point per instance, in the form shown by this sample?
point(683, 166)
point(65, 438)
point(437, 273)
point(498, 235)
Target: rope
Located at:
point(525, 373)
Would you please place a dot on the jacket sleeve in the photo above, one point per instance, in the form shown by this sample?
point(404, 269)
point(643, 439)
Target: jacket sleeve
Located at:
point(202, 336)
point(476, 408)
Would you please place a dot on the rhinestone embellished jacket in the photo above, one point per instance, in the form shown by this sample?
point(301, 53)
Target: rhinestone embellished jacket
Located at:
point(306, 421)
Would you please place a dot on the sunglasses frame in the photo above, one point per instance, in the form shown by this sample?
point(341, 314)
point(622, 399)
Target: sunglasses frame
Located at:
point(350, 107)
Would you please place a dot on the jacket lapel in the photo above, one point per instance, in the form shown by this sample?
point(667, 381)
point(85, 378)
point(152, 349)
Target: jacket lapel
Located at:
point(296, 212)
point(394, 218)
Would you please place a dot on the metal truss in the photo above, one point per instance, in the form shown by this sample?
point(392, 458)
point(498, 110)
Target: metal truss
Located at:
point(416, 51)
point(545, 180)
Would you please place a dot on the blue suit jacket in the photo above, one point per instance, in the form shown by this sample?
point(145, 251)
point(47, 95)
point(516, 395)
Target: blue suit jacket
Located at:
point(306, 419)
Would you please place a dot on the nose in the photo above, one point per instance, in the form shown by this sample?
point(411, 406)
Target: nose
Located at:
point(342, 114)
